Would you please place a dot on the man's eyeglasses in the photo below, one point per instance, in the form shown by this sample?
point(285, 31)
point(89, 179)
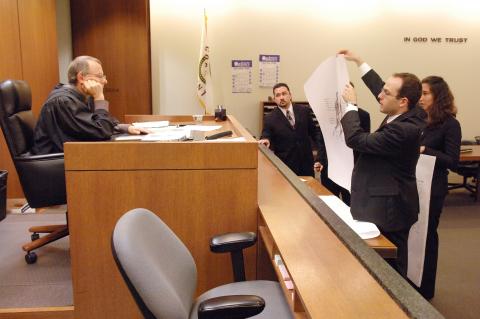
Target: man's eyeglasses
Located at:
point(388, 93)
point(98, 76)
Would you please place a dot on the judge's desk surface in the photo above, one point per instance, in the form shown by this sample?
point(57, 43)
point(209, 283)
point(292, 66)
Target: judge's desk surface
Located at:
point(205, 188)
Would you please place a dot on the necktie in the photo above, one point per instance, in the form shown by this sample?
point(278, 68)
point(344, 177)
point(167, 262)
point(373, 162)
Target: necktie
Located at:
point(290, 118)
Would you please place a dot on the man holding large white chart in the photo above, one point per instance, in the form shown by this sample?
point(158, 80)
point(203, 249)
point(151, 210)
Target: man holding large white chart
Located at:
point(384, 189)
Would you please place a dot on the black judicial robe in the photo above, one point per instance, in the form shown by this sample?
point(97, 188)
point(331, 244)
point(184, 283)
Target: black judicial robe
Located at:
point(68, 116)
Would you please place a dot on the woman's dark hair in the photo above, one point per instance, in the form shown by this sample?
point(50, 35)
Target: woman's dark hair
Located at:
point(443, 100)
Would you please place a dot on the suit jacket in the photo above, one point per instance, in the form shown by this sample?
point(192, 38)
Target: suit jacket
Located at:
point(384, 189)
point(292, 144)
point(442, 141)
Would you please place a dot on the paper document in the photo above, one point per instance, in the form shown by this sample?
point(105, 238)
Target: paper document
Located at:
point(166, 136)
point(203, 128)
point(169, 133)
point(150, 124)
point(324, 91)
point(418, 233)
point(127, 137)
point(363, 229)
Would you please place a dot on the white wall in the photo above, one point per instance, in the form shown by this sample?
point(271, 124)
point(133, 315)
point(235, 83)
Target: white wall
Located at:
point(304, 33)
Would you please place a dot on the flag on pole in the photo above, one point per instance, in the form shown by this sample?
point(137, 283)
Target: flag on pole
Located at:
point(204, 81)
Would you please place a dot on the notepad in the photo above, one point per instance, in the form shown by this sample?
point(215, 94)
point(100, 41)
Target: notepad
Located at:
point(151, 124)
point(127, 137)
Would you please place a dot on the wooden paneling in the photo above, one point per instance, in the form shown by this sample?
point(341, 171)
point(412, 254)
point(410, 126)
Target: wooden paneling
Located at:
point(117, 33)
point(38, 36)
point(10, 68)
point(10, 54)
point(28, 51)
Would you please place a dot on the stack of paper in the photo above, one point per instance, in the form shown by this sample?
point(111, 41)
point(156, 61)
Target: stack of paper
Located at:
point(363, 229)
point(150, 124)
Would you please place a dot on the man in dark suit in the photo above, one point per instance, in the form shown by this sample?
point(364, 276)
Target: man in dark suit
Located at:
point(384, 189)
point(287, 130)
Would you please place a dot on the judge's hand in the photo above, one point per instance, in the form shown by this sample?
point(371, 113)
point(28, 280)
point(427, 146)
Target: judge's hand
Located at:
point(265, 142)
point(317, 167)
point(349, 94)
point(132, 130)
point(93, 88)
point(351, 56)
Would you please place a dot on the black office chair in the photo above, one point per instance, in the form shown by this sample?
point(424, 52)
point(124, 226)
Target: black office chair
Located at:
point(470, 171)
point(42, 176)
point(162, 276)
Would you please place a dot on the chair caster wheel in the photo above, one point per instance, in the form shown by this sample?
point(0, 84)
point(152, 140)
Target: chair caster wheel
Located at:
point(31, 258)
point(35, 236)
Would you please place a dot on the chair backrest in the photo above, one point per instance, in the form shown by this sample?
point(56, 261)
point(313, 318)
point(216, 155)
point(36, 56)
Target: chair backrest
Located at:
point(159, 270)
point(42, 177)
point(16, 117)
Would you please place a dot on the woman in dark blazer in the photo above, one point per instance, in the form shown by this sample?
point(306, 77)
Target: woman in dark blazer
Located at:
point(441, 138)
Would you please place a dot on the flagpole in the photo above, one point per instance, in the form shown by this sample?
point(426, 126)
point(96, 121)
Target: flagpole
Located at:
point(204, 81)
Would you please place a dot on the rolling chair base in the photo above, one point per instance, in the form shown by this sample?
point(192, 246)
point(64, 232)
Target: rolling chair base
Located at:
point(54, 232)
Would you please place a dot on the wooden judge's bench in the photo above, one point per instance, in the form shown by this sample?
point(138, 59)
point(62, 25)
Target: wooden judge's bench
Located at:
point(205, 188)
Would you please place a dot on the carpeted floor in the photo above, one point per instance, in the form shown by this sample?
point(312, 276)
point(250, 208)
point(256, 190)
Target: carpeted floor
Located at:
point(47, 282)
point(458, 273)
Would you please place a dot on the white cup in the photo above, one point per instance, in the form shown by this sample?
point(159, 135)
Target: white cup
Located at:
point(197, 117)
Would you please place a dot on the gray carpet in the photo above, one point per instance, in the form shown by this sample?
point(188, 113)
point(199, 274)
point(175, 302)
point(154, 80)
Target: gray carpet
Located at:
point(47, 282)
point(458, 274)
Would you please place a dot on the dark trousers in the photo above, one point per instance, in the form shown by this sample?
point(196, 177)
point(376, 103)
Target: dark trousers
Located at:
point(427, 288)
point(399, 239)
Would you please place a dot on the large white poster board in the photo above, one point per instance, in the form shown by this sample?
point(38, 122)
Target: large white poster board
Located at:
point(324, 93)
point(418, 233)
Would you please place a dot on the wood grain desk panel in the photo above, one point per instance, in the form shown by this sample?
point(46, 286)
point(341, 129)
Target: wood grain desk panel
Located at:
point(197, 201)
point(329, 280)
point(380, 244)
point(470, 156)
point(37, 313)
point(171, 155)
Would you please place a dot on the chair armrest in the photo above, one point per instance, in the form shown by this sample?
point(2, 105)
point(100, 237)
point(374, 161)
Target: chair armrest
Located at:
point(46, 157)
point(232, 242)
point(231, 307)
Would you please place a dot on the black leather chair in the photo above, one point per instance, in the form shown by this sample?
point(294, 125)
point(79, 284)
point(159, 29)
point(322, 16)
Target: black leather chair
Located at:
point(470, 171)
point(42, 176)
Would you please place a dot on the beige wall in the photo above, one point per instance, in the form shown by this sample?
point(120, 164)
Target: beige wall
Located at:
point(304, 33)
